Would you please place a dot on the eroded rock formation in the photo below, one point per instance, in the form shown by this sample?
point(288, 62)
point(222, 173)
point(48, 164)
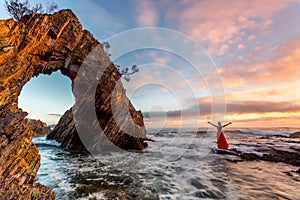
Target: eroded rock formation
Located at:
point(38, 127)
point(42, 44)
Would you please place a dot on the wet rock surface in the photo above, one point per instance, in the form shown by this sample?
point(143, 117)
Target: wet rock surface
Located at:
point(42, 44)
point(65, 133)
point(251, 147)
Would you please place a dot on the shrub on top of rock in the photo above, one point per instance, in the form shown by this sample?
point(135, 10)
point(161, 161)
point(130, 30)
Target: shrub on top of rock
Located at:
point(17, 9)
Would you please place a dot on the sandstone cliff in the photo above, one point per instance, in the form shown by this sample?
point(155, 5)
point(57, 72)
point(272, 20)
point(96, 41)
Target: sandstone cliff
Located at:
point(42, 44)
point(38, 127)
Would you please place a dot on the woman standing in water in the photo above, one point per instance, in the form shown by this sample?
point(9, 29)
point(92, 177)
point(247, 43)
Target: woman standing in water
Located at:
point(221, 140)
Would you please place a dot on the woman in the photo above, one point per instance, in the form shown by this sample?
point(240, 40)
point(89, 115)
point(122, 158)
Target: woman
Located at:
point(221, 140)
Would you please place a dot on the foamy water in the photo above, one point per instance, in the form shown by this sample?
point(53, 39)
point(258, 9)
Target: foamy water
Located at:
point(179, 165)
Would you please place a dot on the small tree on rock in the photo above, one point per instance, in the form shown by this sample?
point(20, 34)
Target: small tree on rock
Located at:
point(126, 72)
point(17, 9)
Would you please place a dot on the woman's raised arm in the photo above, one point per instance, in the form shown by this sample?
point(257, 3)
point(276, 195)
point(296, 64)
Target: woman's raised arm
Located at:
point(227, 124)
point(213, 124)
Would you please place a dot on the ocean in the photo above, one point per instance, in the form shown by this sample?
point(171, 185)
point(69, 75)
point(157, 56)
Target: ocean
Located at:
point(180, 164)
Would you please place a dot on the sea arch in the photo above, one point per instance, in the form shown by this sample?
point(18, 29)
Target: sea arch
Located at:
point(43, 44)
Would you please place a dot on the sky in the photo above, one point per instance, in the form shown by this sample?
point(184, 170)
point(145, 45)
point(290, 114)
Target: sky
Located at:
point(253, 47)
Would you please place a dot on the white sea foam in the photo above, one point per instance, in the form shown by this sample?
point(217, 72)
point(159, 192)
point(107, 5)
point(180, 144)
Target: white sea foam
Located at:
point(266, 132)
point(249, 149)
point(175, 167)
point(97, 195)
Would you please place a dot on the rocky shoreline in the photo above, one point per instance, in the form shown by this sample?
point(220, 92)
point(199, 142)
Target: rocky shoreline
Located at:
point(250, 147)
point(38, 127)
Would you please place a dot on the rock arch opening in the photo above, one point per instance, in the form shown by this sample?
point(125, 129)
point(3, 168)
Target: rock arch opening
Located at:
point(46, 97)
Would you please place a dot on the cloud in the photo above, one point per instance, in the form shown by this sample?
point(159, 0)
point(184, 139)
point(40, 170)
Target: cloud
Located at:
point(240, 47)
point(147, 15)
point(158, 58)
point(164, 89)
point(234, 107)
point(262, 107)
point(251, 37)
point(55, 115)
point(223, 49)
point(214, 22)
point(283, 68)
point(265, 119)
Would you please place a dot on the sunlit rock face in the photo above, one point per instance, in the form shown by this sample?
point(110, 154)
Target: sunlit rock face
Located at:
point(42, 44)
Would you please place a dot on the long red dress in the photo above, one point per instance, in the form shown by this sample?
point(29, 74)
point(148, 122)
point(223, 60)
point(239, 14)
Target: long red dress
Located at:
point(222, 142)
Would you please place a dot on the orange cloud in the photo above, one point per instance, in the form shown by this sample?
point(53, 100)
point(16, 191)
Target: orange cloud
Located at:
point(215, 22)
point(242, 113)
point(241, 47)
point(279, 93)
point(265, 121)
point(223, 49)
point(164, 89)
point(251, 37)
point(283, 69)
point(240, 108)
